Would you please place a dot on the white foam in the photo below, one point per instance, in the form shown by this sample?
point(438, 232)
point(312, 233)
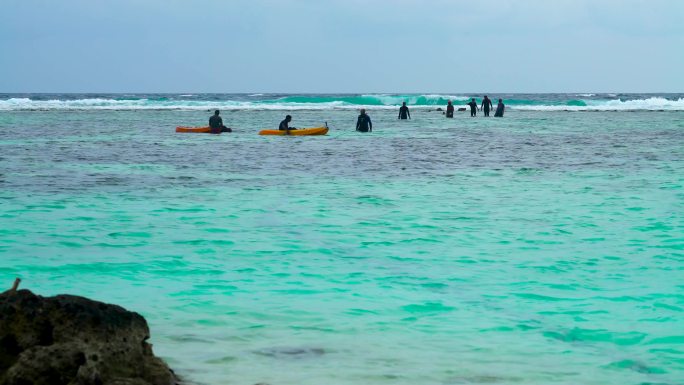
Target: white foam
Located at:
point(388, 102)
point(650, 104)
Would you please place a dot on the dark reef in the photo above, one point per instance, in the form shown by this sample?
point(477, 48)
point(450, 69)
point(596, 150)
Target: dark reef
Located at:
point(72, 340)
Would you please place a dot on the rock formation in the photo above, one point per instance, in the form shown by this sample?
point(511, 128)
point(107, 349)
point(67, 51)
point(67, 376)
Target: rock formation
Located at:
point(72, 340)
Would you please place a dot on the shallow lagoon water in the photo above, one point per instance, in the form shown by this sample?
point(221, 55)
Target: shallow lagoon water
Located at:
point(542, 248)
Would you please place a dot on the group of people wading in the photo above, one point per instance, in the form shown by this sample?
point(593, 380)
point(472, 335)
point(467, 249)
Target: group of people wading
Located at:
point(364, 123)
point(486, 106)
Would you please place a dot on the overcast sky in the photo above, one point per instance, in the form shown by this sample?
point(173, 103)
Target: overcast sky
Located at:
point(341, 46)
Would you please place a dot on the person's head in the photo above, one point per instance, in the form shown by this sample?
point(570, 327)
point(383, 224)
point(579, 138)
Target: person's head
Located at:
point(288, 118)
point(403, 104)
point(473, 99)
point(486, 97)
point(216, 112)
point(363, 111)
point(500, 101)
point(449, 102)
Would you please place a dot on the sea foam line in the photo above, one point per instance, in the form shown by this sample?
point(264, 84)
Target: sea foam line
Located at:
point(329, 103)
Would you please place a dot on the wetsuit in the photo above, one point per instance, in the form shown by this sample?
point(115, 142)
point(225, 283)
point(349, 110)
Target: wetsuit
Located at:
point(450, 111)
point(486, 106)
point(473, 108)
point(216, 125)
point(285, 126)
point(364, 124)
point(499, 110)
point(404, 112)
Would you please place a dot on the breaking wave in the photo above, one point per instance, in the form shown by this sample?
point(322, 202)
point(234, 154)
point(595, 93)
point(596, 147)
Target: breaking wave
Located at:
point(571, 102)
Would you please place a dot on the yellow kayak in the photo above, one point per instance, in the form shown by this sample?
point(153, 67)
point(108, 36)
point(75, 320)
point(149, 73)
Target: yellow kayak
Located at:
point(297, 132)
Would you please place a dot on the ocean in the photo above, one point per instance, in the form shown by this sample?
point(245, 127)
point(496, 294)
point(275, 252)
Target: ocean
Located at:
point(545, 247)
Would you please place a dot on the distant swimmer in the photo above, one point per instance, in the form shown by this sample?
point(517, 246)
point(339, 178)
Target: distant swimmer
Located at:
point(499, 109)
point(473, 107)
point(450, 110)
point(486, 105)
point(216, 124)
point(285, 125)
point(404, 112)
point(363, 123)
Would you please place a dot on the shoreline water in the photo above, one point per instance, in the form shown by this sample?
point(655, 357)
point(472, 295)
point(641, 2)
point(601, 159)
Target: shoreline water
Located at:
point(544, 247)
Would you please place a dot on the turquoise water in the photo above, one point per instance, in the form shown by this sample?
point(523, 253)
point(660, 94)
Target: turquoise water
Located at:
point(542, 248)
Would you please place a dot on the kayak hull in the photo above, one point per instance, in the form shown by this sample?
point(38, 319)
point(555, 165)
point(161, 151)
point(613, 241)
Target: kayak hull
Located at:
point(197, 130)
point(298, 132)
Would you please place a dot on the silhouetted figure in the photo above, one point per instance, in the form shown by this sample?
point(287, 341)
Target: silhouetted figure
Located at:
point(450, 110)
point(216, 124)
point(363, 123)
point(404, 112)
point(499, 109)
point(473, 107)
point(486, 105)
point(285, 125)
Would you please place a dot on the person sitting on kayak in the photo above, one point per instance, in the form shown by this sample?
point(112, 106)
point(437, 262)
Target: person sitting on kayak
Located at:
point(216, 124)
point(284, 125)
point(363, 123)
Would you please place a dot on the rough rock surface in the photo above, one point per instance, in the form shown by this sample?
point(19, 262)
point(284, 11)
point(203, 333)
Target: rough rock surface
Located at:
point(72, 340)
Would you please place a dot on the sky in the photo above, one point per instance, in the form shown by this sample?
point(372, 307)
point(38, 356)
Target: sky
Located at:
point(341, 46)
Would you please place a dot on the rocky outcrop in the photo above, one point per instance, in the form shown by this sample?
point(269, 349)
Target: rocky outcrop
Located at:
point(72, 340)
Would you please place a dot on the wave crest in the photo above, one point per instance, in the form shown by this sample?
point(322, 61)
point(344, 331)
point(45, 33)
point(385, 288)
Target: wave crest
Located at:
point(327, 102)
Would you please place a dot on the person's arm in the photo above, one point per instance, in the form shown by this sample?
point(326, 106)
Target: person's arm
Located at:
point(358, 123)
point(408, 112)
point(399, 116)
point(370, 124)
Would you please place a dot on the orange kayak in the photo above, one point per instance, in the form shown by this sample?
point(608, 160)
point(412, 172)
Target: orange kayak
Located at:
point(202, 130)
point(297, 132)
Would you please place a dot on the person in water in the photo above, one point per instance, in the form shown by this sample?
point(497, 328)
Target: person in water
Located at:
point(473, 107)
point(363, 123)
point(404, 112)
point(499, 109)
point(450, 110)
point(285, 125)
point(486, 105)
point(216, 124)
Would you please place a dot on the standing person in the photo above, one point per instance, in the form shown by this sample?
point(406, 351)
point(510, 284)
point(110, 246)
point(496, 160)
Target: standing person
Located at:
point(473, 107)
point(404, 112)
point(499, 109)
point(450, 110)
point(486, 105)
point(363, 123)
point(285, 125)
point(216, 124)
